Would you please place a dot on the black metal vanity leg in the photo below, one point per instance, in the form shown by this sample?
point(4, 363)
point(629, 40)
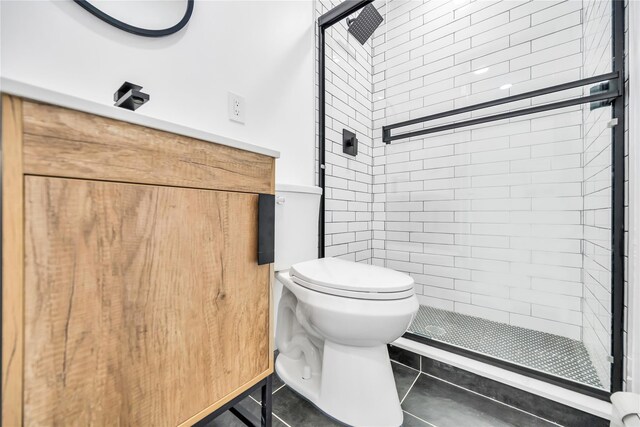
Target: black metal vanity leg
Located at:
point(267, 396)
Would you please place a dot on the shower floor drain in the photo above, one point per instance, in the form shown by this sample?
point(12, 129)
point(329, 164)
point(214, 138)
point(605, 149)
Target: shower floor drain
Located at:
point(434, 331)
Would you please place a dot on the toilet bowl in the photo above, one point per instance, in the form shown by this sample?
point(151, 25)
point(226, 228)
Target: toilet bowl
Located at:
point(334, 321)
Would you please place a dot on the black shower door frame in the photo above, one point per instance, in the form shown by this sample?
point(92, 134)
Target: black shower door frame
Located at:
point(348, 7)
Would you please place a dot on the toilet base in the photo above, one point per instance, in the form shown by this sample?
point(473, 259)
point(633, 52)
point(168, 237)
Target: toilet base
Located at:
point(355, 385)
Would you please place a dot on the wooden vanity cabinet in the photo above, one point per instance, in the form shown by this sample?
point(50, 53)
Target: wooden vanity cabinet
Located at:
point(131, 290)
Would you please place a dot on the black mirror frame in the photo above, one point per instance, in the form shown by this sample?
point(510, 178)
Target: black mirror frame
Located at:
point(86, 5)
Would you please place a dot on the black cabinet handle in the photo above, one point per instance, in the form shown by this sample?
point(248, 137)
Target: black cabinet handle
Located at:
point(266, 226)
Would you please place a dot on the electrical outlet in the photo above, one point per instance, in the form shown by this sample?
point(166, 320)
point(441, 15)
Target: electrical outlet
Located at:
point(236, 108)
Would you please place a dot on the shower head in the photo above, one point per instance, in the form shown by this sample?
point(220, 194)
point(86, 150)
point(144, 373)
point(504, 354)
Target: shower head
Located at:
point(365, 24)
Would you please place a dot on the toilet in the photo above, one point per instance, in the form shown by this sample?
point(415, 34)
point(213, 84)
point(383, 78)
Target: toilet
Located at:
point(334, 321)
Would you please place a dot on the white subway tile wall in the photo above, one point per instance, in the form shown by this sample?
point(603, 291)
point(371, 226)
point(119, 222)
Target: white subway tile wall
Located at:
point(488, 219)
point(508, 221)
point(348, 182)
point(596, 307)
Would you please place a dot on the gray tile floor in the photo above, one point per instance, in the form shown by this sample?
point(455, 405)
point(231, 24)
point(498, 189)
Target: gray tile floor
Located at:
point(545, 352)
point(426, 401)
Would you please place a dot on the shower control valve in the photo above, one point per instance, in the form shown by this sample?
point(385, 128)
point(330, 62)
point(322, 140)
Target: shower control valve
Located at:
point(349, 142)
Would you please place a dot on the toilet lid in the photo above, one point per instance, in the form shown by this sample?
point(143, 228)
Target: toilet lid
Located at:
point(332, 274)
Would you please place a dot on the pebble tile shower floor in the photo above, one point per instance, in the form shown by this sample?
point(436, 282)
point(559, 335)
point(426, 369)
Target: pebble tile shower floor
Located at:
point(542, 351)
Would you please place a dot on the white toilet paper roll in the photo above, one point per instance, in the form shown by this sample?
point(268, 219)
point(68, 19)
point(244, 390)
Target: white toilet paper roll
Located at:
point(626, 410)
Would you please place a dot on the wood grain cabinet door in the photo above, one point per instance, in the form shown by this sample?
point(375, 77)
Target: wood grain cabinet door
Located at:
point(144, 305)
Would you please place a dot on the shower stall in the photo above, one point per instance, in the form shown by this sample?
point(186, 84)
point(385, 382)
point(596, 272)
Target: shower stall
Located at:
point(489, 167)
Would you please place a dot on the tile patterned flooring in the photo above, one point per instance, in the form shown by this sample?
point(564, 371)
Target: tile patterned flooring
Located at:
point(426, 400)
point(542, 351)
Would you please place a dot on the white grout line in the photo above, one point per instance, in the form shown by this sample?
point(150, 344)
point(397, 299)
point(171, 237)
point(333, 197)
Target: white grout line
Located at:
point(411, 388)
point(406, 366)
point(490, 398)
point(458, 386)
point(272, 413)
point(426, 422)
point(255, 400)
point(412, 384)
point(280, 419)
point(573, 399)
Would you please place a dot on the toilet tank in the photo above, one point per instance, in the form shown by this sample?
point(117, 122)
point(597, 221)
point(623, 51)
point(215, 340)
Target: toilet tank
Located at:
point(296, 228)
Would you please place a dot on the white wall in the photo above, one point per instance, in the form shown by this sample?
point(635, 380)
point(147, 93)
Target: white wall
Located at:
point(262, 50)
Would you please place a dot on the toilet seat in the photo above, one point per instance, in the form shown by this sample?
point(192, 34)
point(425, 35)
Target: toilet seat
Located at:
point(352, 280)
